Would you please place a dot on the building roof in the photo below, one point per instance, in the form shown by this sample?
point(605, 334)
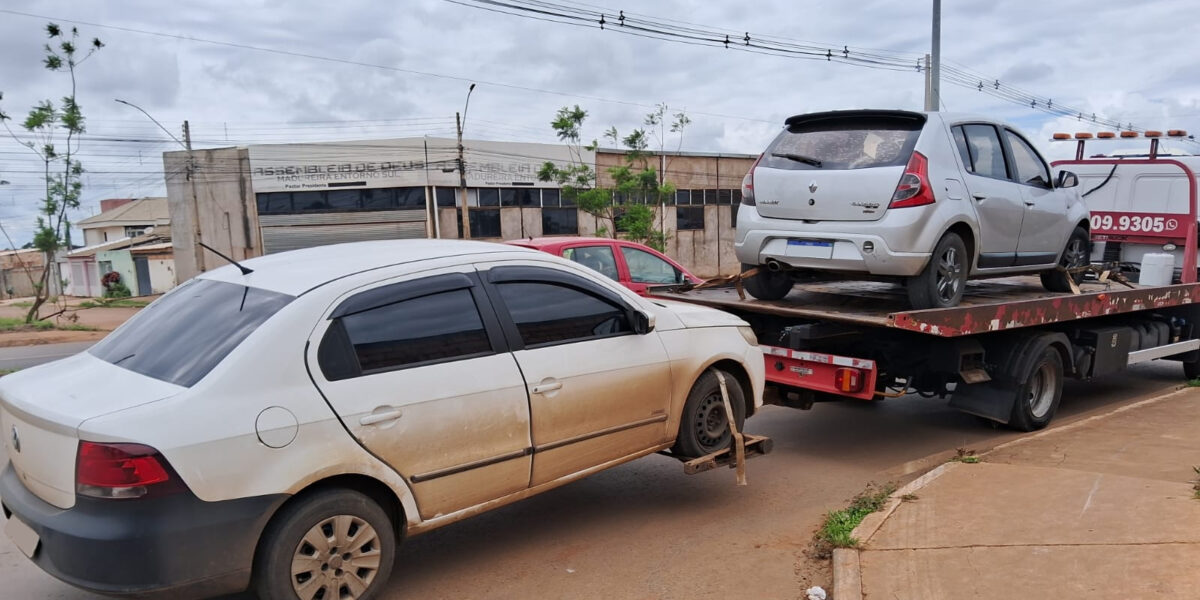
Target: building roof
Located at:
point(119, 244)
point(153, 248)
point(143, 211)
point(299, 271)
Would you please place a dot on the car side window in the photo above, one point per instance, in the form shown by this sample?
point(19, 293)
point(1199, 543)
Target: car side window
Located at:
point(647, 268)
point(986, 151)
point(596, 258)
point(432, 328)
point(550, 313)
point(960, 142)
point(1031, 169)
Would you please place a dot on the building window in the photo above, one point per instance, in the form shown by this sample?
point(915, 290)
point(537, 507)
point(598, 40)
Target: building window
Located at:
point(683, 196)
point(489, 197)
point(520, 197)
point(341, 200)
point(560, 221)
point(551, 197)
point(724, 196)
point(733, 210)
point(689, 217)
point(485, 223)
point(135, 230)
point(447, 197)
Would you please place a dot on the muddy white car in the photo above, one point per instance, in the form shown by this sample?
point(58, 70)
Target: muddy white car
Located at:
point(283, 429)
point(928, 199)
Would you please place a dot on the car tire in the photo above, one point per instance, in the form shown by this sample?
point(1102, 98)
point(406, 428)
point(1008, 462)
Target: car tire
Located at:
point(704, 426)
point(329, 530)
point(941, 283)
point(1038, 391)
point(1077, 253)
point(767, 285)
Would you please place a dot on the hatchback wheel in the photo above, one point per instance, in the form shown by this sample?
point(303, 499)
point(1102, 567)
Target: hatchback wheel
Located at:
point(767, 285)
point(942, 282)
point(333, 545)
point(1078, 253)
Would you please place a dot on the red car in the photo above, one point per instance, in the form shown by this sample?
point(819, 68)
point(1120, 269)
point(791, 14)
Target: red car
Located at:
point(633, 265)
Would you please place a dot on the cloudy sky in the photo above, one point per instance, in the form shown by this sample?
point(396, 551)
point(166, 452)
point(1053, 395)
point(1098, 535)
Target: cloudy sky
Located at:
point(259, 72)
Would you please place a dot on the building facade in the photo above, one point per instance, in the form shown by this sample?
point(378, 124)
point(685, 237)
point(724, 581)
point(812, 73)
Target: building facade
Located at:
point(256, 200)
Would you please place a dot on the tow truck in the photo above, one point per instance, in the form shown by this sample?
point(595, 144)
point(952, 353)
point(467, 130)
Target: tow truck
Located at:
point(1002, 354)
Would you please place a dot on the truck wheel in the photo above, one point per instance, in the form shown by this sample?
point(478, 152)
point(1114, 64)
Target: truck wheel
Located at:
point(767, 285)
point(941, 283)
point(704, 427)
point(1191, 369)
point(332, 544)
point(1078, 253)
point(1038, 394)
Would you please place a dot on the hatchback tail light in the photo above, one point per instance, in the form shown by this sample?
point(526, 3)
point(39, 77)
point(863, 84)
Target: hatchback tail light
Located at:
point(748, 183)
point(118, 470)
point(914, 188)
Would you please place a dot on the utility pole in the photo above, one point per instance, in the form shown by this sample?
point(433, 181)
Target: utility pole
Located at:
point(460, 122)
point(933, 96)
point(198, 250)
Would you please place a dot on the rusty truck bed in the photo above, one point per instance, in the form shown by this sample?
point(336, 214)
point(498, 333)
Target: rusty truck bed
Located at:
point(988, 305)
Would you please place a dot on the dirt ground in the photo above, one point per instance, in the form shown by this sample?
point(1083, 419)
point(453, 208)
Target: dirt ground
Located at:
point(103, 320)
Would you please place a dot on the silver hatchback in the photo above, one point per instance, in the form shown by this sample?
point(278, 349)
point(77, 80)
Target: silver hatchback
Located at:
point(928, 198)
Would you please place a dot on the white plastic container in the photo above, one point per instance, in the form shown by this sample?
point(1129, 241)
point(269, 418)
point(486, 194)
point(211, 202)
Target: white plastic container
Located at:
point(1157, 269)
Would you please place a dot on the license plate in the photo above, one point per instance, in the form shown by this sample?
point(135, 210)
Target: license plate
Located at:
point(810, 248)
point(22, 535)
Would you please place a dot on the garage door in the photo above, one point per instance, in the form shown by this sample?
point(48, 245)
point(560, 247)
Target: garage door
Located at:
point(281, 233)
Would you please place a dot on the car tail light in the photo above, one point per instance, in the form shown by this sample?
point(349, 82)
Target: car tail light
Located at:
point(118, 470)
point(748, 183)
point(914, 188)
point(848, 380)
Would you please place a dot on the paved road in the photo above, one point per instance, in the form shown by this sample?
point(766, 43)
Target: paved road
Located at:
point(645, 530)
point(23, 357)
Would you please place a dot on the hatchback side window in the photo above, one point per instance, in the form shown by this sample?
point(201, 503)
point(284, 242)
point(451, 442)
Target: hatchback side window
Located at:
point(549, 313)
point(596, 258)
point(986, 152)
point(960, 142)
point(647, 268)
point(433, 328)
point(1031, 169)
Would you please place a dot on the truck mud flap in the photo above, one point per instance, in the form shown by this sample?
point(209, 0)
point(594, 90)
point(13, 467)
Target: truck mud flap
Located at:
point(991, 400)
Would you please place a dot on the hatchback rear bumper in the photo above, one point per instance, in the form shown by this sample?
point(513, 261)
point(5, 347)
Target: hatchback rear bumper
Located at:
point(174, 545)
point(761, 239)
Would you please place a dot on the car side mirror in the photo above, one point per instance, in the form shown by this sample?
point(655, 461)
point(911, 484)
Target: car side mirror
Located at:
point(1066, 179)
point(643, 323)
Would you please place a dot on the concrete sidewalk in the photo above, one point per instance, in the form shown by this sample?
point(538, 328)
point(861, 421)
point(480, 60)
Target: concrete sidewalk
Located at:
point(1102, 508)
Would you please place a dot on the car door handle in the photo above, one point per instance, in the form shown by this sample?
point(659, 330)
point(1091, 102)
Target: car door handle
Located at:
point(979, 197)
point(382, 416)
point(546, 386)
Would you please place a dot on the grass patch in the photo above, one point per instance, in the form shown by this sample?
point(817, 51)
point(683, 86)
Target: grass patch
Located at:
point(113, 303)
point(1193, 383)
point(4, 372)
point(837, 530)
point(1196, 486)
point(14, 324)
point(22, 304)
point(963, 455)
point(909, 498)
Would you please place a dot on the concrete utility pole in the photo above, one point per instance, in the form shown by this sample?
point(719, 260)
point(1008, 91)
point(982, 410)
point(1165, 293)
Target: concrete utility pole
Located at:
point(933, 90)
point(460, 122)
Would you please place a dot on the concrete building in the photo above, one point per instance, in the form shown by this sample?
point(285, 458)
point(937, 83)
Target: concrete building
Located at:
point(125, 218)
point(249, 201)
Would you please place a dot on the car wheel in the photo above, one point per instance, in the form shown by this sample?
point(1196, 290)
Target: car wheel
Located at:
point(941, 283)
point(767, 285)
point(704, 426)
point(1039, 392)
point(334, 544)
point(1078, 253)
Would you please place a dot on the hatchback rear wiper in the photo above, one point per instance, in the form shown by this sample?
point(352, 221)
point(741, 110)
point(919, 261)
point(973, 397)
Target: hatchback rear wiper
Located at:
point(798, 158)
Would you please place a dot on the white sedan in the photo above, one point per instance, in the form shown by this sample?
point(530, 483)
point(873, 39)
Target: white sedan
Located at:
point(282, 429)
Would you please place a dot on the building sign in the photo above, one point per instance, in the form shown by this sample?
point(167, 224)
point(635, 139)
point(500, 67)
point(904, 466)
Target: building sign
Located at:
point(400, 163)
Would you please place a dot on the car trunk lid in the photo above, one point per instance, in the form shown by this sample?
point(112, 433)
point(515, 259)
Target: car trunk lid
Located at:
point(840, 166)
point(40, 416)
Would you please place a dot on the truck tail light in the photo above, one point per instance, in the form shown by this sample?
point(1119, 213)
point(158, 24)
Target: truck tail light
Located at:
point(118, 470)
point(848, 380)
point(914, 188)
point(748, 183)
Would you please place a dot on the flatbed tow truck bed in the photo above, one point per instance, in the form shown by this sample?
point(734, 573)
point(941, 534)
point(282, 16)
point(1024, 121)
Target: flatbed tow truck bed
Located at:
point(1001, 354)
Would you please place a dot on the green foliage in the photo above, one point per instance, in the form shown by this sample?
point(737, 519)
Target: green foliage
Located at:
point(117, 290)
point(11, 324)
point(47, 124)
point(838, 528)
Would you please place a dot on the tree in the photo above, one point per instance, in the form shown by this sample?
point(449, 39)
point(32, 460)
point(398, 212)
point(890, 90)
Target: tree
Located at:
point(47, 124)
point(636, 184)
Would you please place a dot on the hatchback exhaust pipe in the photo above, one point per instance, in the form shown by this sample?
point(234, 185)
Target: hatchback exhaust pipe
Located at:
point(775, 266)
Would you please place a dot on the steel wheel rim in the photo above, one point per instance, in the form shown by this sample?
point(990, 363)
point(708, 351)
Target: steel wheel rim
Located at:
point(1075, 254)
point(1041, 391)
point(712, 427)
point(337, 559)
point(949, 275)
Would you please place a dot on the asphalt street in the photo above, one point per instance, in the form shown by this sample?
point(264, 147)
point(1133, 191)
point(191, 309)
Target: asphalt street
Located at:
point(23, 357)
point(646, 530)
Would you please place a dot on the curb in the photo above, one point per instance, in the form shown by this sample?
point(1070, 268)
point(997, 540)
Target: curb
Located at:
point(847, 574)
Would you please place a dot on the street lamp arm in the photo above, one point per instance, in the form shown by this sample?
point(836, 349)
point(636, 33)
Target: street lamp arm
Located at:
point(160, 125)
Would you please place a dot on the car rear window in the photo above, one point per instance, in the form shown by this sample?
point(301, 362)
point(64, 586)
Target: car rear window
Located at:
point(183, 335)
point(840, 143)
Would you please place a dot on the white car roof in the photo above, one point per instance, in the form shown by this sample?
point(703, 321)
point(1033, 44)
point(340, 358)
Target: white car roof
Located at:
point(298, 271)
